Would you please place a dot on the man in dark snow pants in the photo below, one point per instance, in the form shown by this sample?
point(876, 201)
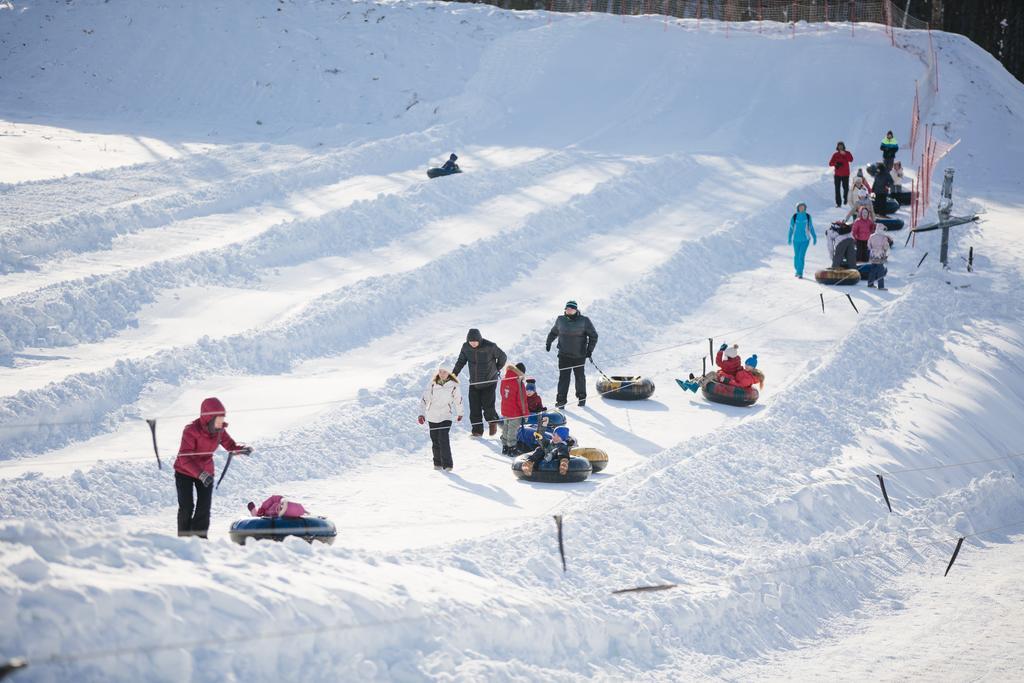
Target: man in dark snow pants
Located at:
point(485, 361)
point(576, 341)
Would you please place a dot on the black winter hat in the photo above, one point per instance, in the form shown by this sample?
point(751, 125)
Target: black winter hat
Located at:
point(474, 335)
point(521, 367)
point(572, 304)
point(453, 157)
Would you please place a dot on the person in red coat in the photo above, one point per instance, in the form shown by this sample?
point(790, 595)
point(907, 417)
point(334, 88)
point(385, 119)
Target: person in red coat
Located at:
point(514, 406)
point(534, 402)
point(193, 468)
point(840, 161)
point(728, 361)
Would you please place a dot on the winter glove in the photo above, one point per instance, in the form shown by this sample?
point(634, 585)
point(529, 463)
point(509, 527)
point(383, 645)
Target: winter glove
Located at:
point(421, 419)
point(244, 450)
point(723, 347)
point(206, 479)
point(547, 347)
point(815, 241)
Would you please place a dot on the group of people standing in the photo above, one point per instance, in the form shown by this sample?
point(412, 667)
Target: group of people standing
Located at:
point(864, 241)
point(576, 339)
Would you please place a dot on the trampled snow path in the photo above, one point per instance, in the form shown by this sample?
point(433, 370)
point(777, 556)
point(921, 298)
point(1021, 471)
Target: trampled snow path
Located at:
point(626, 175)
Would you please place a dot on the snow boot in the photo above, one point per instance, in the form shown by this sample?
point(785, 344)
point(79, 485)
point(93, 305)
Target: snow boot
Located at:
point(492, 428)
point(583, 402)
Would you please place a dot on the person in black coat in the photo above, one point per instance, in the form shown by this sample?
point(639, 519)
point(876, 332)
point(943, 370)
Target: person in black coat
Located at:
point(577, 338)
point(485, 361)
point(882, 187)
point(450, 166)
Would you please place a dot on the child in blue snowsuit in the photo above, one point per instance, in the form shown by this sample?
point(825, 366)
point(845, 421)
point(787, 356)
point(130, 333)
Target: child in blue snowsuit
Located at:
point(801, 232)
point(555, 448)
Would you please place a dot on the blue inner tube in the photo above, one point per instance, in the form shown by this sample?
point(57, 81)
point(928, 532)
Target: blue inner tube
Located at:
point(276, 528)
point(729, 394)
point(623, 388)
point(546, 471)
point(555, 418)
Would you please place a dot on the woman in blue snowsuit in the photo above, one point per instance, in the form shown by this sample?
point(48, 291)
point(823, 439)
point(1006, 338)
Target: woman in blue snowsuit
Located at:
point(801, 232)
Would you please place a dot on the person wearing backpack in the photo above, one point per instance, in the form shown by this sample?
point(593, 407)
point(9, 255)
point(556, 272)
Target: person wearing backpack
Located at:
point(801, 232)
point(840, 161)
point(193, 468)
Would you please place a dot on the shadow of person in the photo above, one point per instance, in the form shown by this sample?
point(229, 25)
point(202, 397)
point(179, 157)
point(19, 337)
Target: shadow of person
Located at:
point(611, 431)
point(494, 493)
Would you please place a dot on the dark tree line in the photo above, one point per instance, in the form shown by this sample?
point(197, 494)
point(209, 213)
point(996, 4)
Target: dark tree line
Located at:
point(995, 25)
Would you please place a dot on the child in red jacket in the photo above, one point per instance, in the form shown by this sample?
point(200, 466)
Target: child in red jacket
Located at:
point(514, 407)
point(193, 468)
point(534, 403)
point(728, 361)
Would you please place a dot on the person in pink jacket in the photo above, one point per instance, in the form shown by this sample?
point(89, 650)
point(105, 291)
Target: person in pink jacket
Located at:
point(193, 468)
point(862, 229)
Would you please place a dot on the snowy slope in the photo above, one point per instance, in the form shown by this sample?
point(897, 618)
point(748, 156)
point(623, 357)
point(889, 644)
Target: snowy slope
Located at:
point(303, 270)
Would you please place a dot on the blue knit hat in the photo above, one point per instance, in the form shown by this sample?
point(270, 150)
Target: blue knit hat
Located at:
point(563, 432)
point(752, 361)
point(531, 386)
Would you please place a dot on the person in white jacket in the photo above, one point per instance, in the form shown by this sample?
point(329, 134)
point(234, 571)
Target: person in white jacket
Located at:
point(441, 400)
point(878, 248)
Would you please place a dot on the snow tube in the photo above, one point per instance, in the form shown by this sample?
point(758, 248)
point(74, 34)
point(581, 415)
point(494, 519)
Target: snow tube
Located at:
point(891, 223)
point(729, 394)
point(903, 198)
point(890, 206)
point(625, 388)
point(546, 471)
point(597, 458)
point(842, 228)
point(838, 276)
point(276, 528)
point(438, 172)
point(555, 418)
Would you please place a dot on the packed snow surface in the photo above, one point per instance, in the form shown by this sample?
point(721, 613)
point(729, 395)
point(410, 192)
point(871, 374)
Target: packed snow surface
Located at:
point(229, 199)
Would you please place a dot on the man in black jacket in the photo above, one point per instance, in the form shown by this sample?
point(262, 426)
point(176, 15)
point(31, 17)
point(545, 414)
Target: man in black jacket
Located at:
point(485, 362)
point(576, 341)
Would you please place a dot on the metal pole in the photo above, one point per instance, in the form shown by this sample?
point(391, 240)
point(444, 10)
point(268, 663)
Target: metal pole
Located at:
point(945, 209)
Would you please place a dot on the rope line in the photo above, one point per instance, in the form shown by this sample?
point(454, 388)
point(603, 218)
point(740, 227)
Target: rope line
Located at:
point(688, 342)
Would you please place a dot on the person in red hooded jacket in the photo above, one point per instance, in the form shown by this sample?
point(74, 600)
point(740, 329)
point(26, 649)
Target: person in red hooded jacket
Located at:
point(514, 407)
point(728, 361)
point(193, 468)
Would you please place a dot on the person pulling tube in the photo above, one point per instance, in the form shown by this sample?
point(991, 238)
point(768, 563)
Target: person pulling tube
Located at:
point(193, 468)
